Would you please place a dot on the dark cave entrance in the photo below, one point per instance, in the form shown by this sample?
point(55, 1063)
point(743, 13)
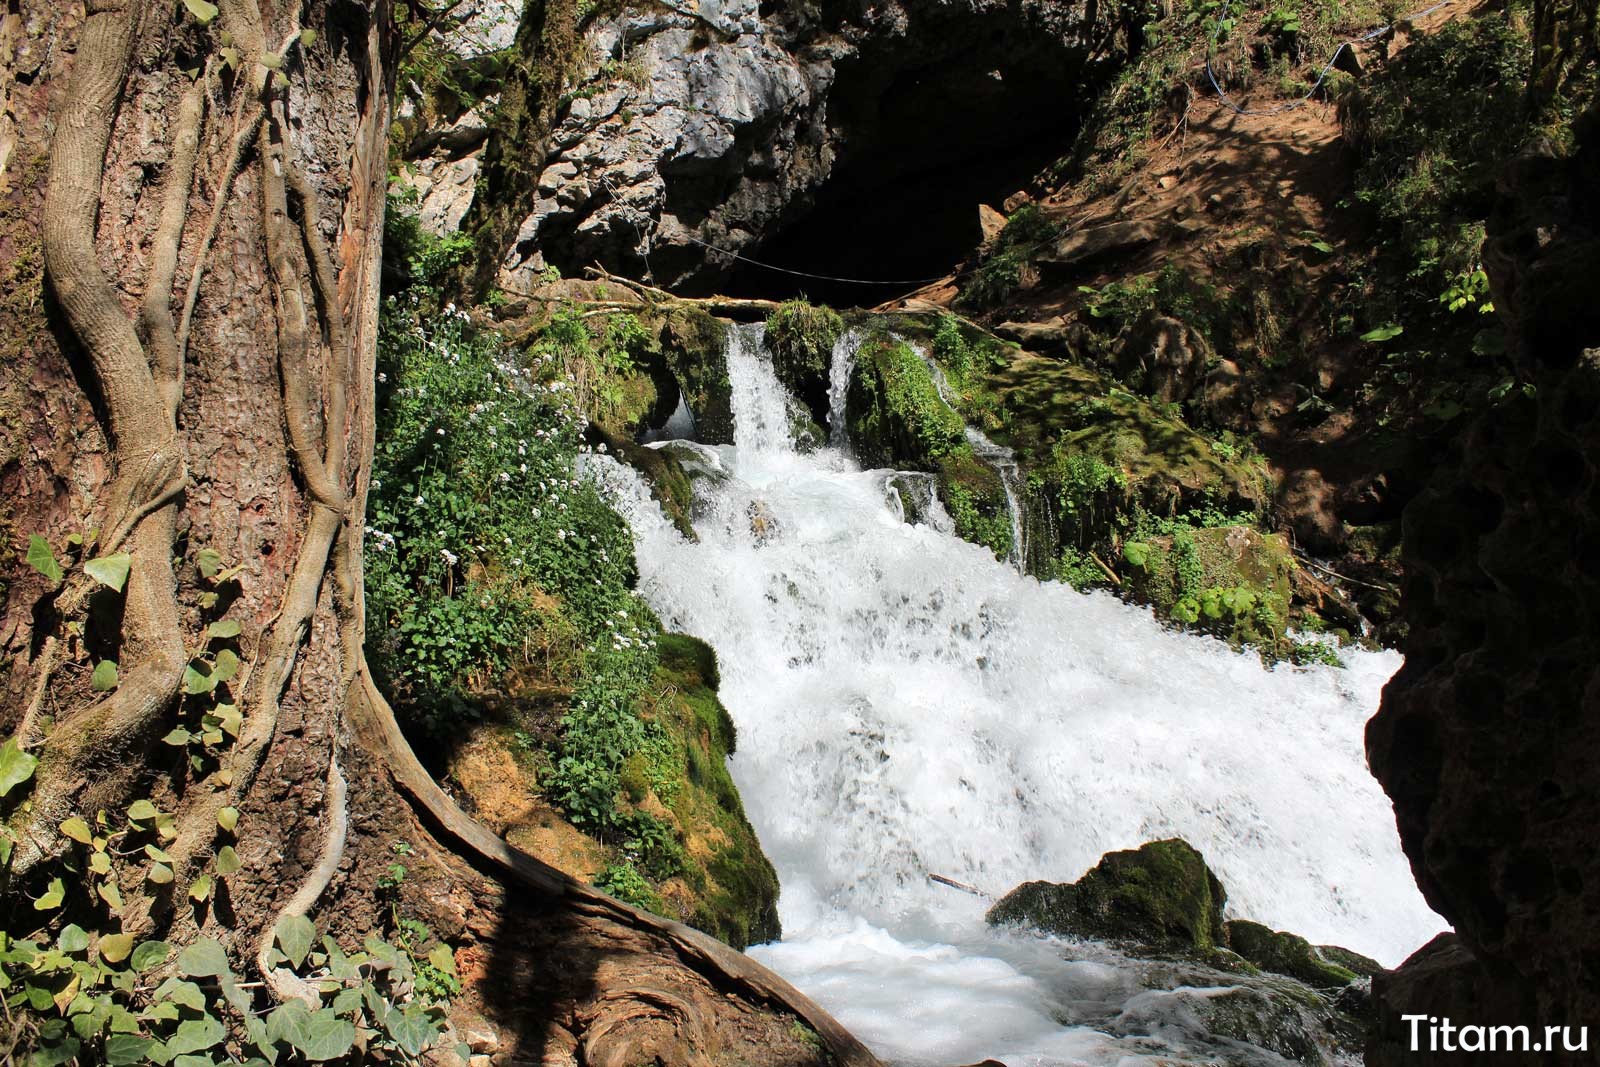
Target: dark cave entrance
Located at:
point(959, 111)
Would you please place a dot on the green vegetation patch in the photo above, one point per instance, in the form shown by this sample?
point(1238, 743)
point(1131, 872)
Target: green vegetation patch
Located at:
point(801, 337)
point(896, 416)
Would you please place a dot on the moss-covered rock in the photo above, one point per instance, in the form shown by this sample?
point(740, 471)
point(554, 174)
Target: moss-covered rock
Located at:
point(727, 887)
point(1229, 580)
point(975, 496)
point(695, 346)
point(895, 414)
point(801, 337)
point(1160, 896)
point(670, 484)
point(1290, 954)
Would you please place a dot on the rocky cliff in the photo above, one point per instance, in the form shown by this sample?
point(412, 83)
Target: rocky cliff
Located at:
point(679, 129)
point(1489, 735)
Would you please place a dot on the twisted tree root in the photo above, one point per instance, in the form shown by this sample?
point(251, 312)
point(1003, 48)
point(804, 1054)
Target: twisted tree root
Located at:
point(282, 983)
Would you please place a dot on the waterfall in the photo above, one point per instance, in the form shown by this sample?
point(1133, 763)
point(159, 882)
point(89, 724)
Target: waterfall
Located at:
point(909, 706)
point(840, 366)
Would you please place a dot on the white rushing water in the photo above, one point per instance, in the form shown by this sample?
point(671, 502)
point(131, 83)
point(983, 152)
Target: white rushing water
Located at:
point(908, 706)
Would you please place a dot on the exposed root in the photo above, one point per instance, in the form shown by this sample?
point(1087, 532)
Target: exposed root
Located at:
point(155, 316)
point(373, 724)
point(282, 983)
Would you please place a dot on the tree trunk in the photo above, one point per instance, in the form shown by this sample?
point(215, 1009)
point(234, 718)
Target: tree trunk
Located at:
point(190, 225)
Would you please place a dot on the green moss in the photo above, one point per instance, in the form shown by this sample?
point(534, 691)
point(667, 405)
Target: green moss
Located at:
point(896, 416)
point(976, 498)
point(1285, 953)
point(1232, 581)
point(1006, 266)
point(695, 345)
point(669, 483)
point(732, 888)
point(1160, 895)
point(801, 337)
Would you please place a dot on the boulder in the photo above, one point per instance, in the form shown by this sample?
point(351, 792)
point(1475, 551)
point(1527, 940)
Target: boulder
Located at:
point(1226, 397)
point(1080, 247)
point(1160, 896)
point(1164, 357)
point(1285, 953)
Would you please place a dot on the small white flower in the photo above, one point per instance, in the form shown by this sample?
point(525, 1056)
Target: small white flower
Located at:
point(382, 377)
point(440, 431)
point(419, 501)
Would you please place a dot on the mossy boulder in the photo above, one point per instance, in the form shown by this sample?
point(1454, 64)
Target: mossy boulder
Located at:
point(670, 484)
point(1233, 581)
point(1160, 896)
point(895, 414)
point(975, 496)
point(695, 347)
point(727, 886)
point(801, 337)
point(1290, 954)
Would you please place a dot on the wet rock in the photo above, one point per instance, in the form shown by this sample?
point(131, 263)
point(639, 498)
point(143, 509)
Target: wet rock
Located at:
point(1160, 895)
point(1442, 980)
point(1292, 955)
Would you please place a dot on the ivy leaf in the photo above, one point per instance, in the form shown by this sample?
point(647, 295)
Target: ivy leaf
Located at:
point(228, 818)
point(104, 677)
point(110, 571)
point(202, 10)
point(157, 854)
point(116, 947)
point(109, 893)
point(127, 1049)
point(208, 560)
point(200, 889)
point(288, 1022)
point(195, 683)
point(227, 666)
point(16, 766)
point(149, 954)
point(74, 938)
point(203, 959)
point(230, 719)
point(228, 861)
point(224, 628)
point(295, 933)
point(271, 60)
point(411, 1029)
point(325, 1036)
point(99, 863)
point(178, 737)
point(230, 58)
point(142, 811)
point(41, 559)
point(77, 830)
point(196, 1034)
point(159, 874)
point(52, 898)
point(1384, 333)
point(442, 958)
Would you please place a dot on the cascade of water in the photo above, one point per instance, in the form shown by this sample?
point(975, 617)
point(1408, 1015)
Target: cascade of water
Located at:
point(908, 706)
point(760, 405)
point(840, 366)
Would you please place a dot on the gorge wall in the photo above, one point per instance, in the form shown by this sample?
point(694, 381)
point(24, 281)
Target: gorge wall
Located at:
point(721, 125)
point(1488, 737)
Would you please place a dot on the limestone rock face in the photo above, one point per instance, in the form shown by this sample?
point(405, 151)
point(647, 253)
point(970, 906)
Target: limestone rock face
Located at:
point(1489, 736)
point(694, 128)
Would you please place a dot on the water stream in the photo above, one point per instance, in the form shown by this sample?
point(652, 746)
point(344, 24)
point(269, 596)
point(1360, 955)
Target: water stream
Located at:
point(908, 706)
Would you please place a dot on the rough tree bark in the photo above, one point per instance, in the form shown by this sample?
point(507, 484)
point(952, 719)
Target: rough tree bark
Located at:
point(190, 232)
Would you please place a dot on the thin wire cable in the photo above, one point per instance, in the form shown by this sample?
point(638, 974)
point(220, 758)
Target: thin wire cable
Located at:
point(1290, 105)
point(808, 274)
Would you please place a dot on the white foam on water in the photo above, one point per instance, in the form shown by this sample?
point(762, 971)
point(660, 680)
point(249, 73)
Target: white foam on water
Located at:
point(906, 705)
